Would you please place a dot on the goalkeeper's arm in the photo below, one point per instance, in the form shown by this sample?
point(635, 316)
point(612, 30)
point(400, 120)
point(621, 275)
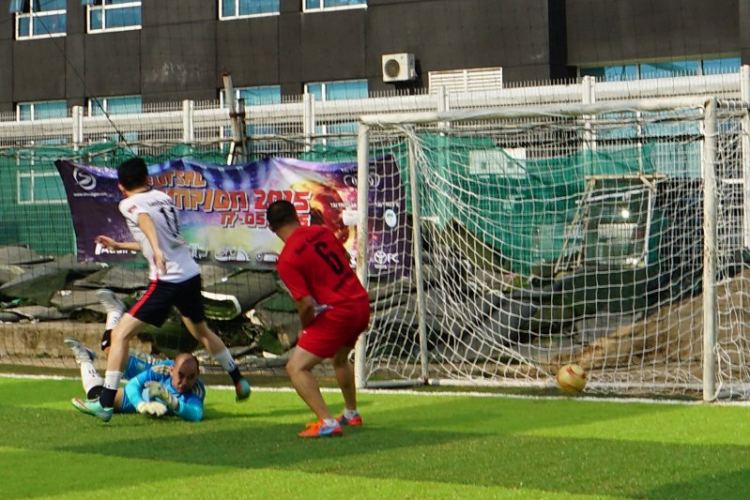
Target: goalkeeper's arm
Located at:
point(188, 407)
point(191, 408)
point(134, 393)
point(134, 388)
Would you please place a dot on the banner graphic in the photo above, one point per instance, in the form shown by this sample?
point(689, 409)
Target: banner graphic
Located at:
point(222, 208)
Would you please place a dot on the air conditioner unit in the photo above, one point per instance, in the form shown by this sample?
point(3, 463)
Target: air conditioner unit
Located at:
point(398, 67)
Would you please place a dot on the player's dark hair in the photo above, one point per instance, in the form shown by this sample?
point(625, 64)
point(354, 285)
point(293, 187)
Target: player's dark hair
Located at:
point(133, 173)
point(280, 213)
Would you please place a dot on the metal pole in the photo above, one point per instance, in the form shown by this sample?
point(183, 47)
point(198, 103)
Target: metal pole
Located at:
point(188, 125)
point(241, 129)
point(363, 267)
point(710, 320)
point(418, 272)
point(308, 119)
point(233, 122)
point(443, 105)
point(588, 97)
point(77, 127)
point(745, 124)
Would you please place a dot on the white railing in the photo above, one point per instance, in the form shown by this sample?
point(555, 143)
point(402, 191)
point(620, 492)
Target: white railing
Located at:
point(206, 120)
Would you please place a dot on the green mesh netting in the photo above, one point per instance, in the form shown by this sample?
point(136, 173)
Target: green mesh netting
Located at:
point(523, 218)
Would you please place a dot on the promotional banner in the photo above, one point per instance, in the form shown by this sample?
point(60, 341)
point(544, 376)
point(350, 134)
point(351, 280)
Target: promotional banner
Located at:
point(222, 208)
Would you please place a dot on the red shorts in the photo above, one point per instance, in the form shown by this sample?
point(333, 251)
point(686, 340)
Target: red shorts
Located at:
point(335, 328)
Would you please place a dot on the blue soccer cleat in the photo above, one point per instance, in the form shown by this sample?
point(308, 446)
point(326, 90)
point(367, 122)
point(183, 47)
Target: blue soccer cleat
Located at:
point(242, 389)
point(94, 408)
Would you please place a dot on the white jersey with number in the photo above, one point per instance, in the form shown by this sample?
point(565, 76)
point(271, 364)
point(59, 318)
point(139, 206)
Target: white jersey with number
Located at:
point(161, 209)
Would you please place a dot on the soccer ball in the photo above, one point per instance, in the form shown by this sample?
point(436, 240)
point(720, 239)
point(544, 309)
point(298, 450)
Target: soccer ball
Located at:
point(571, 379)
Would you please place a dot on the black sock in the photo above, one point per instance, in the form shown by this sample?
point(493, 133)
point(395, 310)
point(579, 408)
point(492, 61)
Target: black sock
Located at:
point(107, 399)
point(106, 342)
point(95, 392)
point(236, 375)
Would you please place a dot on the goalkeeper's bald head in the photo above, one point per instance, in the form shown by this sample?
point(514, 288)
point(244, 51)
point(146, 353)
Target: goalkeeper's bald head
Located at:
point(184, 372)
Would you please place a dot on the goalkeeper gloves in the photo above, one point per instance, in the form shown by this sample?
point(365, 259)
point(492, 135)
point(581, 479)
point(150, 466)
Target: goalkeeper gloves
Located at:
point(153, 408)
point(157, 390)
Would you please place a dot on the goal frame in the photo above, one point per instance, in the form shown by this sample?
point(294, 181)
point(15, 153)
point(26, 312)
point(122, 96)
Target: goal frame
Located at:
point(708, 105)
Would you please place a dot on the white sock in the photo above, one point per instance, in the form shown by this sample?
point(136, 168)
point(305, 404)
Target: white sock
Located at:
point(113, 317)
point(112, 380)
point(89, 376)
point(330, 422)
point(225, 360)
point(350, 413)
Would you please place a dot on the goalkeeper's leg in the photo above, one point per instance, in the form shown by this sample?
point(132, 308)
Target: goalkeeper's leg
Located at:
point(92, 381)
point(94, 408)
point(118, 357)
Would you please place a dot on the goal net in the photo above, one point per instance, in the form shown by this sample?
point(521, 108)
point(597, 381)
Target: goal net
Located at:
point(608, 235)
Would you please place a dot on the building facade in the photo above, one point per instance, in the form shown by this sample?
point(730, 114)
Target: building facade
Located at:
point(68, 52)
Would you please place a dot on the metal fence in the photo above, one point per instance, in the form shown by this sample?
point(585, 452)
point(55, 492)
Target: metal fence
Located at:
point(301, 123)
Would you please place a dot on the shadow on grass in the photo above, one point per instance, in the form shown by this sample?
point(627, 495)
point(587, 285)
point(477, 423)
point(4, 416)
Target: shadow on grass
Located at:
point(713, 484)
point(576, 466)
point(455, 440)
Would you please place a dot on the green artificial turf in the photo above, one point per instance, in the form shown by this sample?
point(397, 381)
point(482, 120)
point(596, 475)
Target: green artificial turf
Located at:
point(411, 446)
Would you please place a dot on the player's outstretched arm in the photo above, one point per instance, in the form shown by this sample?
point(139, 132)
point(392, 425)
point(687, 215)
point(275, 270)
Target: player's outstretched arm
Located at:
point(113, 244)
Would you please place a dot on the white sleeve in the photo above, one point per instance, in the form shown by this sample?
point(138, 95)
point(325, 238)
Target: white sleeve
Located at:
point(130, 209)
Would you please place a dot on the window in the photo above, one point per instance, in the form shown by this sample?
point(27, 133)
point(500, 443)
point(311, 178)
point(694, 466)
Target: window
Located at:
point(39, 188)
point(233, 9)
point(41, 110)
point(718, 66)
point(643, 71)
point(316, 5)
point(669, 69)
point(255, 96)
point(612, 73)
point(345, 133)
point(113, 15)
point(39, 18)
point(115, 105)
point(336, 91)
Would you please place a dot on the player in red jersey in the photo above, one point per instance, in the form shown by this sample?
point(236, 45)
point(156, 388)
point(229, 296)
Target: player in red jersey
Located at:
point(334, 309)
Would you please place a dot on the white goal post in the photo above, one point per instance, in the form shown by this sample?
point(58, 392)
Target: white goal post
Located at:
point(508, 242)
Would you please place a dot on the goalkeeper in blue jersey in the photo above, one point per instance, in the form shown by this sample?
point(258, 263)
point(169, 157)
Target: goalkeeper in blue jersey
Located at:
point(155, 388)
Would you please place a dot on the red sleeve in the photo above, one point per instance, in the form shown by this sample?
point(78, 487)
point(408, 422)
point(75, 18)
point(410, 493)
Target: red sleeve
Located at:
point(293, 280)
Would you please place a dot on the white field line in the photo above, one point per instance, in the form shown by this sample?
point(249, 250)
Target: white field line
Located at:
point(403, 392)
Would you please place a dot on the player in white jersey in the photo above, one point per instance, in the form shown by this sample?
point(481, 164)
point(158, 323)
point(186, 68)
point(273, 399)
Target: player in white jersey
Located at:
point(178, 264)
point(175, 281)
